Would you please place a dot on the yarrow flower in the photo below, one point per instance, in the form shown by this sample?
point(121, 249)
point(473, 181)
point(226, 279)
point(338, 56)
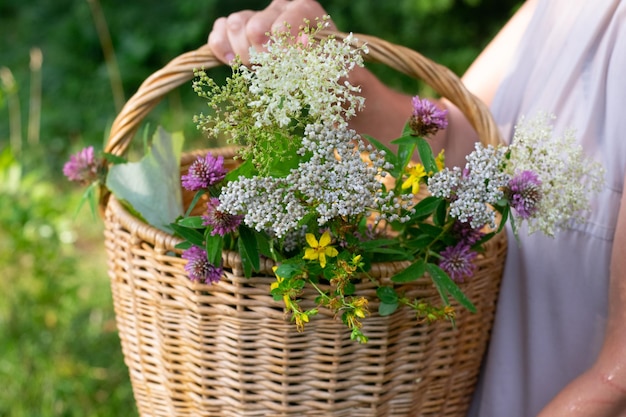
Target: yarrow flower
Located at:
point(267, 204)
point(82, 166)
point(524, 193)
point(308, 75)
point(427, 119)
point(471, 190)
point(457, 261)
point(221, 222)
point(204, 172)
point(335, 182)
point(568, 178)
point(198, 267)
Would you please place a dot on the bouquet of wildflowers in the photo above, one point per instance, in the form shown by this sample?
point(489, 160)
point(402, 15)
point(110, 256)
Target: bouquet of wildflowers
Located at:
point(325, 204)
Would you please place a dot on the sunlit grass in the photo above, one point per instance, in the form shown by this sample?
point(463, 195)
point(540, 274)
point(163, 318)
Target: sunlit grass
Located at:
point(59, 353)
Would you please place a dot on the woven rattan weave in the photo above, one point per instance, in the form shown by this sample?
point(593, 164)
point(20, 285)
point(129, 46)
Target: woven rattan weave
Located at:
point(227, 349)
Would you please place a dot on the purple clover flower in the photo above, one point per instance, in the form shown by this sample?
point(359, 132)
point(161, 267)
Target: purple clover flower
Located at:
point(204, 172)
point(465, 233)
point(221, 222)
point(457, 261)
point(82, 166)
point(198, 267)
point(524, 193)
point(427, 118)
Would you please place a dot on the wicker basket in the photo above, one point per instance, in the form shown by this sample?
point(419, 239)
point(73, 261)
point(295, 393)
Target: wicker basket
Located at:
point(227, 349)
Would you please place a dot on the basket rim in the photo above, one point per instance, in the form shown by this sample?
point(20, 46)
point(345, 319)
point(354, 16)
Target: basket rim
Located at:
point(403, 59)
point(165, 242)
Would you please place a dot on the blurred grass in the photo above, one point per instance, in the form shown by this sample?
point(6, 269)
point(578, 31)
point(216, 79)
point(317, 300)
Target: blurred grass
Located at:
point(59, 353)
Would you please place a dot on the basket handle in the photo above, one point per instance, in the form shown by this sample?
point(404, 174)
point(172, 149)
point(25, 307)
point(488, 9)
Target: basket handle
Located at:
point(405, 60)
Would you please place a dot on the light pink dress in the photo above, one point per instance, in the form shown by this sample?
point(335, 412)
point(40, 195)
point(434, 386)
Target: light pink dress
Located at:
point(552, 309)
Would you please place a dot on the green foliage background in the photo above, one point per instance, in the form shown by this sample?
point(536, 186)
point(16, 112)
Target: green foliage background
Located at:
point(77, 100)
point(59, 352)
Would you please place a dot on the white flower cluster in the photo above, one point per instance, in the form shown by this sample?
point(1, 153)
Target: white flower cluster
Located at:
point(472, 189)
point(567, 176)
point(334, 182)
point(267, 203)
point(289, 78)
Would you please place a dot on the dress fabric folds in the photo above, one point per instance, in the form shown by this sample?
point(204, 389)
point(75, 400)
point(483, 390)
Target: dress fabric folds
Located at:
point(552, 309)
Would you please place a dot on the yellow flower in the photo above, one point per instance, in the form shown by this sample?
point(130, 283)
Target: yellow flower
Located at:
point(360, 307)
point(440, 160)
point(416, 173)
point(319, 250)
point(301, 319)
point(276, 284)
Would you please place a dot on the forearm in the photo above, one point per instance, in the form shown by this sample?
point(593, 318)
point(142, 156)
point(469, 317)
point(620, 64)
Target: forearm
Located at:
point(387, 111)
point(596, 393)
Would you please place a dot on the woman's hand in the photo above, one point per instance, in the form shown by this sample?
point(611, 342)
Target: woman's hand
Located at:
point(385, 111)
point(236, 34)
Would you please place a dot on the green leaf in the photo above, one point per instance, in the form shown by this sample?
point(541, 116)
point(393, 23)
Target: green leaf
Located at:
point(283, 158)
point(214, 246)
point(194, 222)
point(245, 261)
point(390, 156)
point(248, 248)
point(426, 206)
point(406, 139)
point(386, 309)
point(431, 230)
point(441, 213)
point(196, 197)
point(426, 155)
point(412, 273)
point(407, 130)
point(191, 235)
point(391, 251)
point(406, 148)
point(245, 169)
point(263, 244)
point(288, 270)
point(377, 243)
point(505, 217)
point(91, 196)
point(446, 287)
point(420, 242)
point(183, 245)
point(152, 185)
point(114, 159)
point(387, 295)
point(405, 155)
point(485, 238)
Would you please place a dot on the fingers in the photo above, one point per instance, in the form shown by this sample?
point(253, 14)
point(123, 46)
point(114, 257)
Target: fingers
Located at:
point(295, 12)
point(228, 36)
point(261, 23)
point(235, 34)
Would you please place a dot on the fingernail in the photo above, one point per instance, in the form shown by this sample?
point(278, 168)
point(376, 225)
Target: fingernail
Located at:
point(230, 57)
